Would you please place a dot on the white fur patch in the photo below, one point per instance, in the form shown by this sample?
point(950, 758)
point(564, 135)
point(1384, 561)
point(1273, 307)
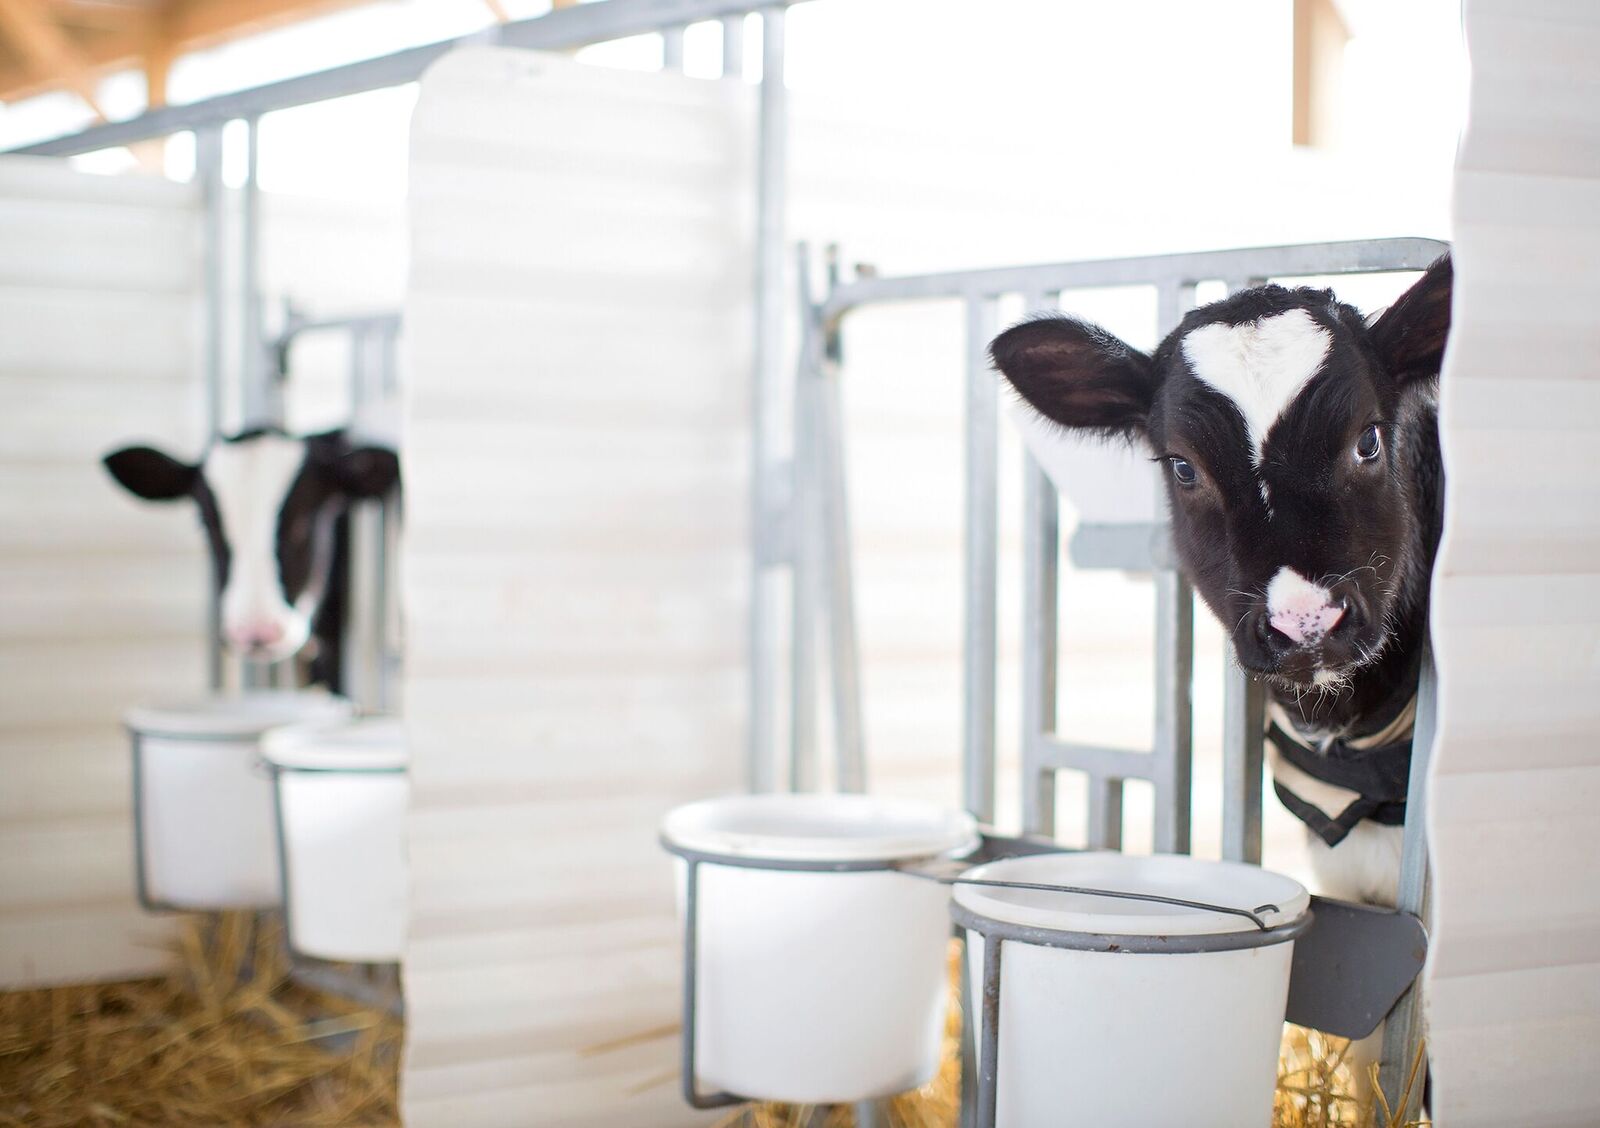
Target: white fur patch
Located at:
point(1364, 867)
point(1261, 365)
point(250, 480)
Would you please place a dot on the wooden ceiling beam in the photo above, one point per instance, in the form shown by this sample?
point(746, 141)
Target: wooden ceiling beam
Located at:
point(188, 25)
point(47, 50)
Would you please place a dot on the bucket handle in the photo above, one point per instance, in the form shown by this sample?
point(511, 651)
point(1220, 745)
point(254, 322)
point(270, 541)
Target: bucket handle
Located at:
point(951, 871)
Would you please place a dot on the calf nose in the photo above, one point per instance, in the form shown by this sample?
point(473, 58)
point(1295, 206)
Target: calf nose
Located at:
point(1300, 610)
point(263, 632)
point(1304, 624)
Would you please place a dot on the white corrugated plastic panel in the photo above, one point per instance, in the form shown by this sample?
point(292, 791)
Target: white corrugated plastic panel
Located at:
point(576, 565)
point(1514, 1002)
point(101, 596)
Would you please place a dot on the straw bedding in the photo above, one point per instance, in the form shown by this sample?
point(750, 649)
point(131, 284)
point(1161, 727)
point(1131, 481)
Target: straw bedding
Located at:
point(226, 1038)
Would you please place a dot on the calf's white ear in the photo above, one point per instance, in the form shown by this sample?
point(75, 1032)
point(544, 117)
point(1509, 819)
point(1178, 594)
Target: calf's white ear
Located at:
point(151, 474)
point(1410, 334)
point(367, 471)
point(1077, 374)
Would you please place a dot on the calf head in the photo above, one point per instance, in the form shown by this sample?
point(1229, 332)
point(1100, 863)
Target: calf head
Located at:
point(268, 502)
point(1300, 452)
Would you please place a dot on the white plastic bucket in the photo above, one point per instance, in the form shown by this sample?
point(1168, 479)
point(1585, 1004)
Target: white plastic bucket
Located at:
point(342, 796)
point(1147, 1013)
point(817, 987)
point(203, 816)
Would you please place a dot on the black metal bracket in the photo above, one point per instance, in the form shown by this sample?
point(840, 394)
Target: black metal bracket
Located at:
point(1352, 966)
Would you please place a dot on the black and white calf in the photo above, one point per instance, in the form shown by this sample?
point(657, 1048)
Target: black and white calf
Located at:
point(1302, 465)
point(273, 507)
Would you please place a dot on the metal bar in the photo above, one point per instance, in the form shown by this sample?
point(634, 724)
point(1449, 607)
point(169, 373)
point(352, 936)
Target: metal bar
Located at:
point(1041, 550)
point(982, 561)
point(1105, 814)
point(1173, 761)
point(760, 767)
point(733, 46)
point(560, 29)
point(989, 1046)
point(1097, 760)
point(1041, 545)
point(338, 981)
point(385, 588)
point(691, 973)
point(382, 323)
point(1404, 1033)
point(1243, 723)
point(806, 596)
point(838, 582)
point(672, 49)
point(208, 174)
point(141, 879)
point(871, 1114)
point(260, 391)
point(281, 843)
point(967, 1115)
point(1361, 256)
point(361, 563)
point(1243, 708)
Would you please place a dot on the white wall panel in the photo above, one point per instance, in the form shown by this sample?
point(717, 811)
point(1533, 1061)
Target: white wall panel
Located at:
point(99, 594)
point(1514, 978)
point(576, 565)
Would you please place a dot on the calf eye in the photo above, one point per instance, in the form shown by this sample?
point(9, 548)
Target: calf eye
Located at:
point(1368, 445)
point(1183, 471)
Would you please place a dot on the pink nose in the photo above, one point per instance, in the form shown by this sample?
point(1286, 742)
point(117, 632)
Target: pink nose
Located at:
point(1305, 621)
point(261, 633)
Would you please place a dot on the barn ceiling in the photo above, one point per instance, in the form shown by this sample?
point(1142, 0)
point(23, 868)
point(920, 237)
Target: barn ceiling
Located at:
point(69, 44)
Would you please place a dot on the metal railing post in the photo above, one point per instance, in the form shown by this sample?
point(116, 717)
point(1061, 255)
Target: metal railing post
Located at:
point(981, 560)
point(733, 46)
point(1403, 1032)
point(1041, 582)
point(208, 174)
point(761, 767)
point(1243, 703)
point(1173, 755)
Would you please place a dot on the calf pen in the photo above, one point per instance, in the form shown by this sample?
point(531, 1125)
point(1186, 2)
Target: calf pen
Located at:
point(1383, 948)
point(820, 487)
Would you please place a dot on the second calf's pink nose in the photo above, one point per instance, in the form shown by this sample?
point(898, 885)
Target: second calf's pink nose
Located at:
point(263, 633)
point(1303, 623)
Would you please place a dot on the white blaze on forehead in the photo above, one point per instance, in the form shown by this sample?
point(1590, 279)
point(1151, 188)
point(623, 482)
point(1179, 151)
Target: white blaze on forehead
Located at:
point(1261, 365)
point(250, 480)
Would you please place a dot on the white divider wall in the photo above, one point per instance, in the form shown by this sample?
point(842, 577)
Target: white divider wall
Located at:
point(101, 597)
point(576, 564)
point(1515, 969)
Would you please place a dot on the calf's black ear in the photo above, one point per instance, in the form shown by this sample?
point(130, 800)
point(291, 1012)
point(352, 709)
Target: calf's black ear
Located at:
point(370, 471)
point(150, 473)
point(1410, 334)
point(1077, 374)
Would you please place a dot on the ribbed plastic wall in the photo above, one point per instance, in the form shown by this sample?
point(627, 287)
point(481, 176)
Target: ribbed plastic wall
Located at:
point(576, 569)
point(1515, 973)
point(101, 596)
